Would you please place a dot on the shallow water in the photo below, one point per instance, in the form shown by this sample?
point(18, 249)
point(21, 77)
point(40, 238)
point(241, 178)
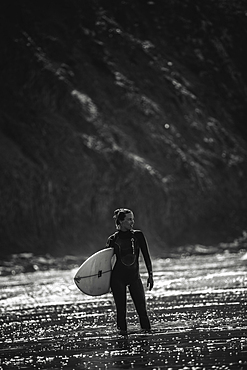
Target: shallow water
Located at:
point(197, 310)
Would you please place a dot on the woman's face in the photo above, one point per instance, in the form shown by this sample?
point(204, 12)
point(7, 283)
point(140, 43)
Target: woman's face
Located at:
point(128, 222)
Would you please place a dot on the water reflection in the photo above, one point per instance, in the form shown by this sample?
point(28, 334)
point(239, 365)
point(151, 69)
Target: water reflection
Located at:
point(197, 310)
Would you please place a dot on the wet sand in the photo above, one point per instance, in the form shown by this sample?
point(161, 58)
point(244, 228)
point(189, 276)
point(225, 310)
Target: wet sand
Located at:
point(197, 310)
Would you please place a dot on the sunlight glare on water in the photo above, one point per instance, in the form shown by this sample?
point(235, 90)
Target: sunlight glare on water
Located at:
point(197, 309)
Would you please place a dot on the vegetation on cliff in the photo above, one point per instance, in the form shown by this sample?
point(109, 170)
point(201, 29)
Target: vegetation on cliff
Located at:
point(104, 104)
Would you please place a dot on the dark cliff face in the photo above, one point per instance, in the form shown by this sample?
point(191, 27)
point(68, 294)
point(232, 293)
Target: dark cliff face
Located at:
point(106, 104)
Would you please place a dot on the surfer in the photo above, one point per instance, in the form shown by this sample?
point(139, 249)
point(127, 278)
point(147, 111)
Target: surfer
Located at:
point(127, 244)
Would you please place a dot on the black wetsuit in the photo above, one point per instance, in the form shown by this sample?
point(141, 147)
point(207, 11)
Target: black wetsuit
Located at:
point(127, 246)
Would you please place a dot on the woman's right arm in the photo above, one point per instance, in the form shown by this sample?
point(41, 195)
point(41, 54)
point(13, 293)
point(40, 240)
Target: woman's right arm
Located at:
point(110, 241)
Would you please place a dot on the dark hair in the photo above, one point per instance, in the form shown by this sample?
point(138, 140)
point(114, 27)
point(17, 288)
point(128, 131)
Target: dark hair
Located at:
point(120, 213)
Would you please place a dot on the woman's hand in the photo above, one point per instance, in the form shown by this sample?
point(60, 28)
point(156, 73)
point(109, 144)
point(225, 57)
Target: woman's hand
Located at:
point(150, 282)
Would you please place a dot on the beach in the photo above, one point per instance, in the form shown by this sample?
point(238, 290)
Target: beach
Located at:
point(197, 309)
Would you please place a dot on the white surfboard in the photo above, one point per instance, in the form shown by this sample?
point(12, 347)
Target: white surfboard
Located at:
point(93, 276)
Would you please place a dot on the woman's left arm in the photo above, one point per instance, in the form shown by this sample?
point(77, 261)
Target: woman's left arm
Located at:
point(147, 259)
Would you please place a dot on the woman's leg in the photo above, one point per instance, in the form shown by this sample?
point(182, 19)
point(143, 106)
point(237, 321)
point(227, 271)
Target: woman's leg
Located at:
point(119, 294)
point(138, 295)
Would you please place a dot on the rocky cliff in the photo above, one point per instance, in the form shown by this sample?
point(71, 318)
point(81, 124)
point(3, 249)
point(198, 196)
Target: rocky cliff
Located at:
point(107, 104)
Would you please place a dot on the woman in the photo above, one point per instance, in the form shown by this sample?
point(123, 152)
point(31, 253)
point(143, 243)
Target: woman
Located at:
point(127, 244)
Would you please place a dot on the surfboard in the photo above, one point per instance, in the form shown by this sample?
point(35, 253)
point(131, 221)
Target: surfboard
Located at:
point(93, 276)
